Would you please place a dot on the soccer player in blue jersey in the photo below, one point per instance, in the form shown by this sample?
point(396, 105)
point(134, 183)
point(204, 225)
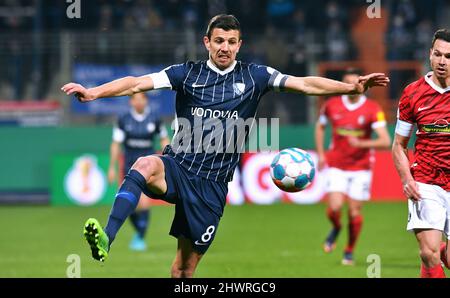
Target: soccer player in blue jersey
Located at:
point(136, 131)
point(194, 170)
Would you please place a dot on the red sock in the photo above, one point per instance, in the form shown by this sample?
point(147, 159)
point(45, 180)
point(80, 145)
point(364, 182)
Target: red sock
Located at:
point(335, 218)
point(433, 272)
point(443, 250)
point(354, 227)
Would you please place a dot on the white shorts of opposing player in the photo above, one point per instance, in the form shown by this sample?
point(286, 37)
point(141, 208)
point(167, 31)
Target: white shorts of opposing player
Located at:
point(432, 211)
point(355, 184)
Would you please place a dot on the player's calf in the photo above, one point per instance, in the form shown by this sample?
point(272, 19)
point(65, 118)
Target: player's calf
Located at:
point(186, 260)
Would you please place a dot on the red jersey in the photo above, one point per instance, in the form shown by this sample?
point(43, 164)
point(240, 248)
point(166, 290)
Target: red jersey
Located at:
point(351, 120)
point(428, 106)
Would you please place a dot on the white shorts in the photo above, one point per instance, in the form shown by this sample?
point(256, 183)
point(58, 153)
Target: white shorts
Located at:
point(432, 211)
point(355, 184)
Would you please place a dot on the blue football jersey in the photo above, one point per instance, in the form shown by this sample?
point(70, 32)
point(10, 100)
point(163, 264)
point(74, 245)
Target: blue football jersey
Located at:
point(210, 106)
point(136, 132)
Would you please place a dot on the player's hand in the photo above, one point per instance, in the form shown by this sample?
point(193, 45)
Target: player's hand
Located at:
point(354, 142)
point(111, 175)
point(411, 190)
point(371, 80)
point(81, 93)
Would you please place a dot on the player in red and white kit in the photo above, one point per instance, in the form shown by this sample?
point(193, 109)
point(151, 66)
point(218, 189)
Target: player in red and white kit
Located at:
point(349, 159)
point(426, 180)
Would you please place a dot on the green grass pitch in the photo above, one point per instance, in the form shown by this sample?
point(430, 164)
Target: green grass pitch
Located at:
point(282, 240)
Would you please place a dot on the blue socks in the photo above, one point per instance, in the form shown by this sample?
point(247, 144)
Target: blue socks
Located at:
point(140, 220)
point(126, 201)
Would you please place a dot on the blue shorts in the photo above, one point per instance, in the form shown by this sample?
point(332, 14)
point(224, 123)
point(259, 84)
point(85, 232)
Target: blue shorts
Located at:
point(195, 218)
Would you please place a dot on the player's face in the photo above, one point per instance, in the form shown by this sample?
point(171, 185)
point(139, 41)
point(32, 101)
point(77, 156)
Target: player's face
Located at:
point(440, 59)
point(223, 46)
point(351, 79)
point(139, 102)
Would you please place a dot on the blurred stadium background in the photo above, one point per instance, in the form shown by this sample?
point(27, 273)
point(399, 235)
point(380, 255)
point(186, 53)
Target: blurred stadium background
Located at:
point(47, 137)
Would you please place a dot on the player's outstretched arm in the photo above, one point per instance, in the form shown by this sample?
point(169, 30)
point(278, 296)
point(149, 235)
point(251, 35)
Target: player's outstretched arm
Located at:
point(124, 86)
point(401, 162)
point(324, 86)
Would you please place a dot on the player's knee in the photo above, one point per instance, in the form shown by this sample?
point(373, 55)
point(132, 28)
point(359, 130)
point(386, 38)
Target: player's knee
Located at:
point(354, 212)
point(429, 255)
point(335, 206)
point(147, 166)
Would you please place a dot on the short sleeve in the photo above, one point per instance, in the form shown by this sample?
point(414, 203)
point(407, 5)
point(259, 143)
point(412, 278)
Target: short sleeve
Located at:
point(118, 135)
point(268, 78)
point(323, 114)
point(171, 77)
point(405, 110)
point(379, 119)
point(405, 115)
point(178, 73)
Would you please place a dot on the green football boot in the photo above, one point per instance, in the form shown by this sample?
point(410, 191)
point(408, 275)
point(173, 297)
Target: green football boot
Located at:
point(97, 239)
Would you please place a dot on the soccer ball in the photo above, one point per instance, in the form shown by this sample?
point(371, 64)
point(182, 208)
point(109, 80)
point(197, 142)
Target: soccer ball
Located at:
point(292, 170)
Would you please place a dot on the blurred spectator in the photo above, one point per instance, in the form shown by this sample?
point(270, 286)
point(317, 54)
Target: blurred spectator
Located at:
point(129, 23)
point(280, 12)
point(398, 40)
point(16, 20)
point(276, 48)
point(16, 15)
point(406, 9)
point(335, 13)
point(191, 14)
point(146, 15)
point(105, 24)
point(171, 13)
point(299, 27)
point(422, 39)
point(251, 16)
point(297, 65)
point(337, 42)
point(106, 17)
point(411, 24)
point(216, 7)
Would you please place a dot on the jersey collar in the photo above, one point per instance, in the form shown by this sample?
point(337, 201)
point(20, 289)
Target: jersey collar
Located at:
point(434, 85)
point(139, 117)
point(221, 72)
point(353, 106)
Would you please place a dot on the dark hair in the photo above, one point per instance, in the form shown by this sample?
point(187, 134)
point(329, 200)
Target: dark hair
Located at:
point(223, 21)
point(443, 34)
point(352, 71)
